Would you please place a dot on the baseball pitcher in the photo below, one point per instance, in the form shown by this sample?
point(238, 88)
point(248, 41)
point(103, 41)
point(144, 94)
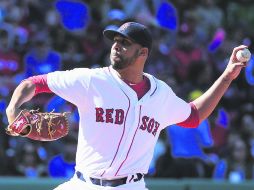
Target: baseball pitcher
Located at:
point(122, 111)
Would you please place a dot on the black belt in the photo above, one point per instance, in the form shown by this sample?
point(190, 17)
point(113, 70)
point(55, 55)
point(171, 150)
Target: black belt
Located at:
point(110, 182)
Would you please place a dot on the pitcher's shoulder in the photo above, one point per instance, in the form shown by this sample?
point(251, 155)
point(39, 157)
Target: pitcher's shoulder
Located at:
point(157, 82)
point(90, 71)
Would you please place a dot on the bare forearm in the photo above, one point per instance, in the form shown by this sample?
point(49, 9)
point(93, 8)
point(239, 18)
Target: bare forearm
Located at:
point(208, 101)
point(23, 93)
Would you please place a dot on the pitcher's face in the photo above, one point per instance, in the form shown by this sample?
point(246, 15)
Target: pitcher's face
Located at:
point(124, 52)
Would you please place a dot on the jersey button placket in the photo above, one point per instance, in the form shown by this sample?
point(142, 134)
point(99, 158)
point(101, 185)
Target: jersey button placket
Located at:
point(132, 133)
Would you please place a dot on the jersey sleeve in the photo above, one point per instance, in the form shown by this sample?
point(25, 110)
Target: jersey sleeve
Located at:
point(40, 82)
point(174, 109)
point(71, 85)
point(193, 120)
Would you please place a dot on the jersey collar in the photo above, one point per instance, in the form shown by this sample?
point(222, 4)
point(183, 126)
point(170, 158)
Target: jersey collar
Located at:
point(151, 78)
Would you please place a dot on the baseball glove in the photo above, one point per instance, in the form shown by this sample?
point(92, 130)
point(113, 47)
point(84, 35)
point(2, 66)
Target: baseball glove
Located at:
point(48, 126)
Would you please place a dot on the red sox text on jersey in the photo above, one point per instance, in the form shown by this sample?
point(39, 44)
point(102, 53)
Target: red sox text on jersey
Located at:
point(110, 111)
point(116, 116)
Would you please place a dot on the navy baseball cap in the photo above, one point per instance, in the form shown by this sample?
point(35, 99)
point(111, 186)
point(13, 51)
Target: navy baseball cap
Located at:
point(133, 31)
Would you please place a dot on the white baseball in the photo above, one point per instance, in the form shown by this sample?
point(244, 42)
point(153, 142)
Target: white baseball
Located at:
point(243, 55)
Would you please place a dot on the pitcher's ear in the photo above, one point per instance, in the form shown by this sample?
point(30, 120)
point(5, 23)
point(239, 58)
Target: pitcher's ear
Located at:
point(143, 52)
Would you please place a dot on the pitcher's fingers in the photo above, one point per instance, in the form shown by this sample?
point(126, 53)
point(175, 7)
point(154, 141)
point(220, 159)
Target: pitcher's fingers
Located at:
point(235, 50)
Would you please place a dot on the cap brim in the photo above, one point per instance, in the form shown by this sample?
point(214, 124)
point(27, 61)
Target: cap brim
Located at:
point(110, 34)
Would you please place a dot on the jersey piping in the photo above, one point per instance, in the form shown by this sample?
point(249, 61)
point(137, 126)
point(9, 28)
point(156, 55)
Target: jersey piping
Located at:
point(155, 87)
point(122, 133)
point(131, 142)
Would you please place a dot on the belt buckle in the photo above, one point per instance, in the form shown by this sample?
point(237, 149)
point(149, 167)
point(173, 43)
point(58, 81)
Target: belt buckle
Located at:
point(101, 182)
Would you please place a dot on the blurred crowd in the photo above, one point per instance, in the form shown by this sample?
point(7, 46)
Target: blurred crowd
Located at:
point(34, 40)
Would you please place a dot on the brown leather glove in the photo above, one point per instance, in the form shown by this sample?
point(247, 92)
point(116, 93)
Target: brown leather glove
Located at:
point(48, 126)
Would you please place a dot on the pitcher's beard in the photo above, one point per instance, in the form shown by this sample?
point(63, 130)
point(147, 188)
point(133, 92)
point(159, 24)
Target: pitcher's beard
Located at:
point(118, 62)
